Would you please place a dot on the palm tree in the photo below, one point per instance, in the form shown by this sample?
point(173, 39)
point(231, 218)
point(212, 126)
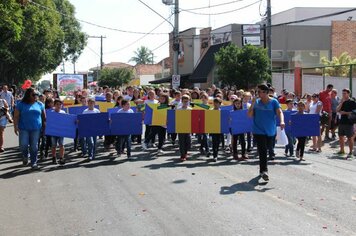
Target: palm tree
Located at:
point(335, 66)
point(143, 55)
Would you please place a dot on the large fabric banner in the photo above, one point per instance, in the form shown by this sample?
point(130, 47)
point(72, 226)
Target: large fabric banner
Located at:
point(126, 123)
point(95, 124)
point(304, 125)
point(240, 122)
point(198, 121)
point(156, 114)
point(61, 125)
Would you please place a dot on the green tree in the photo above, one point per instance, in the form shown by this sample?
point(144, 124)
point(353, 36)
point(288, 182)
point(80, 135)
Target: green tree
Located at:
point(115, 77)
point(335, 66)
point(143, 55)
point(242, 67)
point(35, 39)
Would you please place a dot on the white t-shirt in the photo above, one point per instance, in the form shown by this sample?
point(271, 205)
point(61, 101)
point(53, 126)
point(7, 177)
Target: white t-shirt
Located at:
point(123, 111)
point(313, 107)
point(60, 111)
point(151, 101)
point(128, 97)
point(87, 111)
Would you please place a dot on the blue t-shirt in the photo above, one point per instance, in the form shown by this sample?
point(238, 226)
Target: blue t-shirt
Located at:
point(30, 115)
point(264, 118)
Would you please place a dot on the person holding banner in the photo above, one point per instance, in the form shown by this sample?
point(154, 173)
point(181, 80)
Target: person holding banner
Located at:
point(151, 95)
point(203, 138)
point(216, 138)
point(45, 140)
point(176, 103)
point(316, 107)
point(123, 140)
point(301, 140)
point(57, 140)
point(184, 139)
point(264, 111)
point(89, 143)
point(237, 105)
point(29, 119)
point(158, 130)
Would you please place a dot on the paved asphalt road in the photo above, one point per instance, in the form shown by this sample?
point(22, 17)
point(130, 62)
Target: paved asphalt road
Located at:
point(152, 195)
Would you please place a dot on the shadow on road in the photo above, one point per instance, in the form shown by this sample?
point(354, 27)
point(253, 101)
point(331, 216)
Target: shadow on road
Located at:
point(245, 187)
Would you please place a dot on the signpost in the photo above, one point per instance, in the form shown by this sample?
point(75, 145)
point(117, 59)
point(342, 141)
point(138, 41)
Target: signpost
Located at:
point(175, 81)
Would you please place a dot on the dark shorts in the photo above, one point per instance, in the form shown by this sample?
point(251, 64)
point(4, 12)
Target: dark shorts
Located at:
point(334, 121)
point(346, 130)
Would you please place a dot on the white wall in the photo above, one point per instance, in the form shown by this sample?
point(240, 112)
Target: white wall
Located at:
point(311, 83)
point(144, 79)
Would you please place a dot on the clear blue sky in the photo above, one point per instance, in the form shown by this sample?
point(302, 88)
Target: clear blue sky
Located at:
point(134, 16)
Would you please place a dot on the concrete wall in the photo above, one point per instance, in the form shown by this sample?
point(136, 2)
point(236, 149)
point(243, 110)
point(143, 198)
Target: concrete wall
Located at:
point(311, 83)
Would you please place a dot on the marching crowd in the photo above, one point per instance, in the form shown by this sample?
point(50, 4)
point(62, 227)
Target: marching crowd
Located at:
point(27, 112)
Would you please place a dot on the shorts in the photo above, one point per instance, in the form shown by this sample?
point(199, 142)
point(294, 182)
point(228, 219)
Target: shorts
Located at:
point(3, 122)
point(346, 130)
point(334, 120)
point(56, 140)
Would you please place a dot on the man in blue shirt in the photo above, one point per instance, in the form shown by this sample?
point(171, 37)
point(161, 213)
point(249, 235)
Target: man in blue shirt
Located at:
point(264, 111)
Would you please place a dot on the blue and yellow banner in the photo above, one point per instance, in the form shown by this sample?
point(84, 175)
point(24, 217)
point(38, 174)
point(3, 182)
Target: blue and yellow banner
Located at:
point(156, 114)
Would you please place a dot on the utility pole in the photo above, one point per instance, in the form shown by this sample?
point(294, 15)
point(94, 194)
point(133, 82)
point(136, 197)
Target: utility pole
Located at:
point(101, 49)
point(176, 38)
point(269, 31)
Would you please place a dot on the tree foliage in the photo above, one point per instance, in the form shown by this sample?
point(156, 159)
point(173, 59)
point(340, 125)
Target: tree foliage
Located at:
point(115, 77)
point(334, 67)
point(242, 67)
point(34, 40)
point(143, 55)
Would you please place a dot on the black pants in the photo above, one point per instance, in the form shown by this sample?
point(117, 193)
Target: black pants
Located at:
point(216, 138)
point(301, 145)
point(161, 131)
point(271, 146)
point(147, 133)
point(248, 141)
point(184, 143)
point(241, 139)
point(173, 137)
point(204, 142)
point(264, 142)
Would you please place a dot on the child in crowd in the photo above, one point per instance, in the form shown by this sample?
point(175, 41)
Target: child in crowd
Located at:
point(89, 143)
point(203, 139)
point(57, 140)
point(184, 139)
point(237, 105)
point(151, 99)
point(45, 140)
point(290, 146)
point(301, 140)
point(124, 139)
point(176, 103)
point(216, 138)
point(158, 130)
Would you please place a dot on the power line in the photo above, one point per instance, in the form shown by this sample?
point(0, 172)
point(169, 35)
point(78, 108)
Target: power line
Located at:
point(93, 51)
point(220, 13)
point(94, 24)
point(211, 6)
point(156, 12)
point(132, 43)
point(158, 47)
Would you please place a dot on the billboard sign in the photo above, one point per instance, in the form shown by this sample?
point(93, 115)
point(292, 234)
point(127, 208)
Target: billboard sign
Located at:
point(252, 40)
point(251, 29)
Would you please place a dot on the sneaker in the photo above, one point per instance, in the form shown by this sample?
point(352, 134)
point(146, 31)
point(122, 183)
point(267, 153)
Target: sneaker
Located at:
point(340, 153)
point(62, 161)
point(144, 146)
point(54, 160)
point(34, 167)
point(264, 176)
point(173, 142)
point(183, 158)
point(25, 161)
point(160, 151)
point(208, 154)
point(215, 159)
point(2, 150)
point(349, 155)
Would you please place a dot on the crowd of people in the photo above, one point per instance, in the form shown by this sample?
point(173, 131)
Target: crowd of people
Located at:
point(28, 113)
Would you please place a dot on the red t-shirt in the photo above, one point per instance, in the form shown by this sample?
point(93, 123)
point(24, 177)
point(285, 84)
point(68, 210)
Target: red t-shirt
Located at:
point(282, 100)
point(325, 98)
